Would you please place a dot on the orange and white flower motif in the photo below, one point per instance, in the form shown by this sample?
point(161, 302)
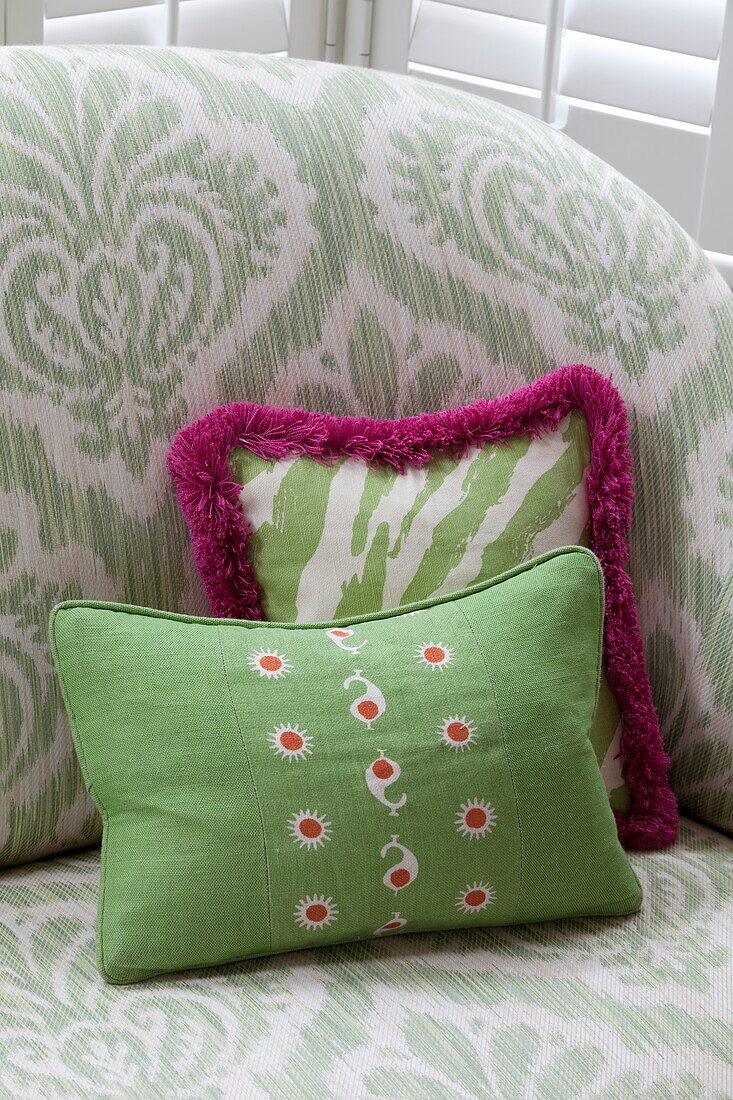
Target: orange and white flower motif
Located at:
point(475, 818)
point(435, 655)
point(393, 925)
point(475, 898)
point(380, 774)
point(310, 830)
point(315, 911)
point(371, 704)
point(290, 742)
point(340, 635)
point(404, 872)
point(269, 663)
point(457, 733)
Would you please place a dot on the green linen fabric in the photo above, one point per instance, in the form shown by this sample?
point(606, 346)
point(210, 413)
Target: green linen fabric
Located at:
point(634, 1008)
point(259, 794)
point(184, 229)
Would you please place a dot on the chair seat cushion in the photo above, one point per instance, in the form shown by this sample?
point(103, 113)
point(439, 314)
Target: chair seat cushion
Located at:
point(622, 1008)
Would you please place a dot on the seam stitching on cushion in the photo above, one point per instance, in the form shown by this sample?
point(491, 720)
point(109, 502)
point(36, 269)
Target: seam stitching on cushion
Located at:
point(79, 746)
point(484, 658)
point(254, 786)
point(103, 887)
point(600, 582)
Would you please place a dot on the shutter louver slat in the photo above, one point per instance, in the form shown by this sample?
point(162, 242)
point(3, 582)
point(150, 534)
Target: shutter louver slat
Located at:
point(638, 78)
point(533, 10)
point(478, 43)
point(683, 26)
point(257, 26)
point(131, 26)
point(61, 9)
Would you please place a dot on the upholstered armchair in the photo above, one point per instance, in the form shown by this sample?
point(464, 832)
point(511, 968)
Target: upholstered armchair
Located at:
point(181, 229)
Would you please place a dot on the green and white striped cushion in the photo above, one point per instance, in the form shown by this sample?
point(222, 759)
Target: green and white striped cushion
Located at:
point(329, 541)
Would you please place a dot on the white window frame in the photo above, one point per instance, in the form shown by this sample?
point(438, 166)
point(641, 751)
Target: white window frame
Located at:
point(22, 21)
point(715, 230)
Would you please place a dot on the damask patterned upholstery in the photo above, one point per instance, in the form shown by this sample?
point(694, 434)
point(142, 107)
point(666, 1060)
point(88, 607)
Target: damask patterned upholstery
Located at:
point(181, 229)
point(634, 1008)
point(184, 228)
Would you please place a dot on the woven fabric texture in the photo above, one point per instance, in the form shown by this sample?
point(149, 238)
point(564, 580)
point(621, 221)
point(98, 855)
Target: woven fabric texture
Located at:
point(248, 806)
point(608, 1008)
point(184, 229)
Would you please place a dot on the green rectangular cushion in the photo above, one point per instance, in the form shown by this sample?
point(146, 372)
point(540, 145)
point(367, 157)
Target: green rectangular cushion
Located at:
point(266, 787)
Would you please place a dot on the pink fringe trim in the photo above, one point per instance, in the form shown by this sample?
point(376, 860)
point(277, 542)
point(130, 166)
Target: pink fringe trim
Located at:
point(199, 464)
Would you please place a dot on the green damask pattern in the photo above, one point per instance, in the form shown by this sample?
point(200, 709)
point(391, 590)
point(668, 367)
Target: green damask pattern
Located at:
point(608, 1009)
point(183, 229)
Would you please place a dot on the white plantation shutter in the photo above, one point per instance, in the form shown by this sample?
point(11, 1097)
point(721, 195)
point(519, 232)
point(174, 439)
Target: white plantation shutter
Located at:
point(648, 56)
point(478, 42)
point(259, 26)
point(658, 57)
